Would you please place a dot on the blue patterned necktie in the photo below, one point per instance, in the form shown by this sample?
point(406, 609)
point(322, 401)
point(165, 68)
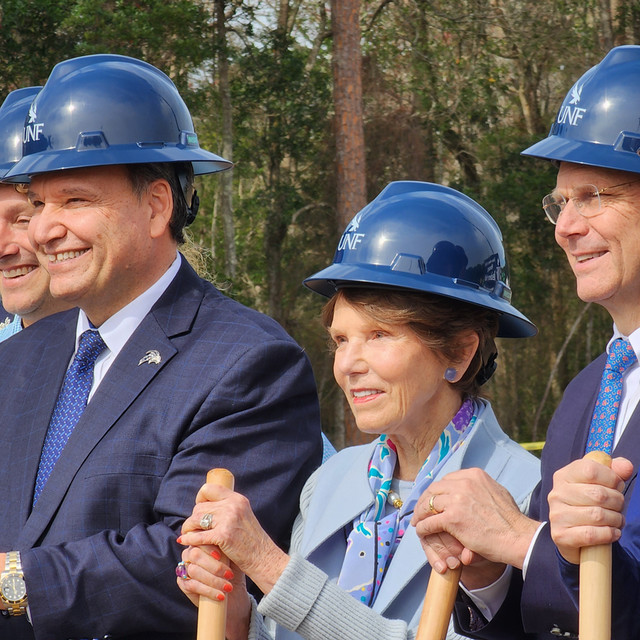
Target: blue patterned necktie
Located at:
point(70, 405)
point(603, 423)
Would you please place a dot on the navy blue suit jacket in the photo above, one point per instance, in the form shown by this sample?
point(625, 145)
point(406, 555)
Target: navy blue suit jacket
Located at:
point(625, 585)
point(99, 549)
point(543, 602)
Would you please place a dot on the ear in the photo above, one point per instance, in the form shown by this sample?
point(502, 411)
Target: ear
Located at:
point(160, 201)
point(469, 342)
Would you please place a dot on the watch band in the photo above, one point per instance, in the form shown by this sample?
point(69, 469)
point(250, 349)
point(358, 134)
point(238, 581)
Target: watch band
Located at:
point(13, 565)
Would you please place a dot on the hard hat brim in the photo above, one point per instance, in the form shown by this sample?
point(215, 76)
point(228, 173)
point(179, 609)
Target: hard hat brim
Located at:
point(586, 153)
point(512, 323)
point(48, 161)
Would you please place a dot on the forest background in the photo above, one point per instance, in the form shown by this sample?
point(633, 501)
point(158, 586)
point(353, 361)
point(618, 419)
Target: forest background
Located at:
point(321, 104)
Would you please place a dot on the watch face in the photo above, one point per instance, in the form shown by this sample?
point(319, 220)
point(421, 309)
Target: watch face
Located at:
point(13, 588)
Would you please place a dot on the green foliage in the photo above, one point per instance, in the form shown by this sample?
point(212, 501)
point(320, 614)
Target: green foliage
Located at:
point(170, 34)
point(454, 90)
point(31, 41)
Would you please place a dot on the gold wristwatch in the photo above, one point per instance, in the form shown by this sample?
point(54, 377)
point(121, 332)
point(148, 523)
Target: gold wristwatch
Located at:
point(13, 590)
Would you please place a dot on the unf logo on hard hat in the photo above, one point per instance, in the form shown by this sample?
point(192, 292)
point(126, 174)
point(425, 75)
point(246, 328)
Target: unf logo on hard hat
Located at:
point(32, 129)
point(569, 114)
point(351, 238)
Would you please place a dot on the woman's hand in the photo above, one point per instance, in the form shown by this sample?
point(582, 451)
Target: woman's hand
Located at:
point(585, 505)
point(444, 552)
point(236, 532)
point(206, 576)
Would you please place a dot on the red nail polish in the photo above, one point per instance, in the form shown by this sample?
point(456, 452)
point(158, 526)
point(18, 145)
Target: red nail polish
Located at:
point(228, 588)
point(216, 554)
point(228, 574)
point(179, 540)
point(220, 597)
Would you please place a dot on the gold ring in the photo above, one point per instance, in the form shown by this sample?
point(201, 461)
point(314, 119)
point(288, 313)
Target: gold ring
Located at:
point(432, 506)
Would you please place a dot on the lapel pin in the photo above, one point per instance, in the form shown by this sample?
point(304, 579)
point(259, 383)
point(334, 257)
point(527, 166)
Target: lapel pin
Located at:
point(152, 357)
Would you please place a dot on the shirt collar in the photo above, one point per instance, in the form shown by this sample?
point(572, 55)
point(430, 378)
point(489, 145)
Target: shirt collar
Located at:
point(633, 338)
point(120, 326)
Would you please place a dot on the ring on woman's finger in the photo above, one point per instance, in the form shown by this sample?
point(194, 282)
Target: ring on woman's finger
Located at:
point(432, 506)
point(181, 570)
point(206, 522)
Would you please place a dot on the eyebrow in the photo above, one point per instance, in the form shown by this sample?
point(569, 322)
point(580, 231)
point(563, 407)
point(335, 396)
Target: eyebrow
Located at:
point(15, 210)
point(65, 191)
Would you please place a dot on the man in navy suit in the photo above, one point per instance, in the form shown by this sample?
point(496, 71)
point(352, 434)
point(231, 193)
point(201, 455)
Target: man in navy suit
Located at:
point(189, 379)
point(595, 142)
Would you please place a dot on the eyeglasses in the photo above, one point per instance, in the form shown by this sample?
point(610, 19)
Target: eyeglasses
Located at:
point(586, 199)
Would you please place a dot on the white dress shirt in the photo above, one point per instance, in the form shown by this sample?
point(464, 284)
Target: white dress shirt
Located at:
point(117, 330)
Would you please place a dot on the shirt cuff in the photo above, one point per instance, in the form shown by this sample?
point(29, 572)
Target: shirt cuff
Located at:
point(530, 549)
point(490, 598)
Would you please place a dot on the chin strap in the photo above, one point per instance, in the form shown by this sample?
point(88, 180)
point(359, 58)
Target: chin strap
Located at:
point(194, 205)
point(489, 364)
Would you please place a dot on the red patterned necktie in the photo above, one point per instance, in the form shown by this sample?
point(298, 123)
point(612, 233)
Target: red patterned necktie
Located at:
point(603, 423)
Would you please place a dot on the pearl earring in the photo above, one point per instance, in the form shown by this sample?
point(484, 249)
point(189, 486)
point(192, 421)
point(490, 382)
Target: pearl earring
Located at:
point(450, 374)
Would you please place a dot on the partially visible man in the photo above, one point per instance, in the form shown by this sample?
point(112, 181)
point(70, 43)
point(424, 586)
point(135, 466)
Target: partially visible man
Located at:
point(24, 284)
point(113, 414)
point(595, 208)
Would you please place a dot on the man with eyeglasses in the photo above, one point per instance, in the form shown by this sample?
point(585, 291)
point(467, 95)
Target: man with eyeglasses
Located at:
point(522, 578)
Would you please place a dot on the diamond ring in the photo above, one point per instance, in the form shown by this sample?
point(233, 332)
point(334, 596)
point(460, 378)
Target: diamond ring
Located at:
point(206, 522)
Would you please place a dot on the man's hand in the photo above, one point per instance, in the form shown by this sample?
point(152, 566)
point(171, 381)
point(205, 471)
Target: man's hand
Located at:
point(481, 516)
point(585, 505)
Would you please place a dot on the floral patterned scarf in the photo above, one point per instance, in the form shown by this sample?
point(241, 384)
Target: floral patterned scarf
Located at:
point(376, 534)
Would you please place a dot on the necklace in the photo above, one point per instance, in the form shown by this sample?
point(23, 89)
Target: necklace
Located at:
point(394, 500)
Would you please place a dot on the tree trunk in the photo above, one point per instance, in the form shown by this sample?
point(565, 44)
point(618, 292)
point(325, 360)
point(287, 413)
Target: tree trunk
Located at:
point(347, 95)
point(225, 193)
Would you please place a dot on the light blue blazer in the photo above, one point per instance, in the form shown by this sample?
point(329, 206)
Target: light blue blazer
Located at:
point(339, 491)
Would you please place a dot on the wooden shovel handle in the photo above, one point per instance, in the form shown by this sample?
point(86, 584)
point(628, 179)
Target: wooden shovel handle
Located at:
point(595, 582)
point(212, 614)
point(438, 604)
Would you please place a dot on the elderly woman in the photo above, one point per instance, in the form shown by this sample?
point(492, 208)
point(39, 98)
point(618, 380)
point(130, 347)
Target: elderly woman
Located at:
point(418, 290)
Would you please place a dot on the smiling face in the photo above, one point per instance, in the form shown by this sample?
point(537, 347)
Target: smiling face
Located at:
point(102, 244)
point(603, 251)
point(393, 382)
point(24, 284)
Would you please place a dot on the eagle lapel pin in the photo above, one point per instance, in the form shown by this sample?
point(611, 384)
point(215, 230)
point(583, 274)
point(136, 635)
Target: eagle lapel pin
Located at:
point(151, 357)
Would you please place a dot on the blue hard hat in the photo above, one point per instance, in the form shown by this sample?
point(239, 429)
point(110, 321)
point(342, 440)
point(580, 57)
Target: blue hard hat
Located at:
point(13, 113)
point(109, 109)
point(426, 237)
point(598, 123)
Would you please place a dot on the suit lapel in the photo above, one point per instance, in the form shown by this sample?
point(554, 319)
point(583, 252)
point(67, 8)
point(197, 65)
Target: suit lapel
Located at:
point(126, 379)
point(38, 390)
point(629, 447)
point(584, 404)
point(337, 505)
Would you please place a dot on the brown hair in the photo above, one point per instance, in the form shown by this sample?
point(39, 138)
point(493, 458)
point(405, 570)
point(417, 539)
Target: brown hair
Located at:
point(439, 322)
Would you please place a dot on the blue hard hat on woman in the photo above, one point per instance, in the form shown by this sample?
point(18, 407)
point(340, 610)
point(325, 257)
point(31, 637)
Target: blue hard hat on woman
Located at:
point(426, 237)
